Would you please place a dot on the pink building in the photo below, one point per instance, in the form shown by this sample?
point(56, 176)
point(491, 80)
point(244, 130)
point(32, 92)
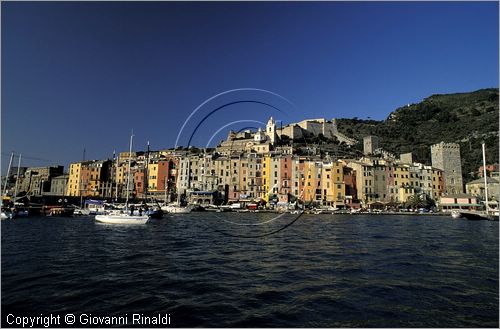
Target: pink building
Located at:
point(459, 201)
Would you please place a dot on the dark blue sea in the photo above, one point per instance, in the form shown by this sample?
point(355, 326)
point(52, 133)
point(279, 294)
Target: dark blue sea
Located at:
point(231, 270)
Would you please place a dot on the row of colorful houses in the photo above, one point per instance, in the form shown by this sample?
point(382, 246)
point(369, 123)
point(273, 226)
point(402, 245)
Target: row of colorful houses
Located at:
point(254, 177)
point(239, 170)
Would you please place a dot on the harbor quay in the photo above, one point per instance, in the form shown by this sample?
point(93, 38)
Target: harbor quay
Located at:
point(263, 170)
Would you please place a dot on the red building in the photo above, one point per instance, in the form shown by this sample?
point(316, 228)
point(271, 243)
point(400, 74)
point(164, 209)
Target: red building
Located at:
point(489, 169)
point(351, 193)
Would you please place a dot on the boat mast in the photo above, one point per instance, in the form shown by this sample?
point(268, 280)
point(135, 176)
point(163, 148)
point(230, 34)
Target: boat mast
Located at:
point(146, 176)
point(128, 174)
point(189, 177)
point(116, 178)
point(166, 185)
point(8, 173)
point(17, 178)
point(485, 179)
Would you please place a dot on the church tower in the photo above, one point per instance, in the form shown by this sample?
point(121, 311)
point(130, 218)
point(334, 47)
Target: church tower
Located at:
point(271, 130)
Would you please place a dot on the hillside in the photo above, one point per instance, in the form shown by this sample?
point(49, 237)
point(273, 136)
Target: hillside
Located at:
point(464, 118)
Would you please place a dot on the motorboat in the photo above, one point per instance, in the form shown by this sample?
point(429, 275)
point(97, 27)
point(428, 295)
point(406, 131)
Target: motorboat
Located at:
point(6, 214)
point(95, 207)
point(177, 209)
point(58, 211)
point(326, 210)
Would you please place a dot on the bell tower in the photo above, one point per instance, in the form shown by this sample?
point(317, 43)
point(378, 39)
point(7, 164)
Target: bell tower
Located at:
point(271, 130)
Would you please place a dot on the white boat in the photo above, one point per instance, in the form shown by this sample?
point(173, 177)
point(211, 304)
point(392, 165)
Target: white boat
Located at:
point(81, 212)
point(235, 205)
point(326, 210)
point(95, 207)
point(121, 218)
point(223, 208)
point(125, 216)
point(176, 209)
point(456, 214)
point(6, 215)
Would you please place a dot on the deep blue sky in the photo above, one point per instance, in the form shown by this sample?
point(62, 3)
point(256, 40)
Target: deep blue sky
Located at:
point(78, 75)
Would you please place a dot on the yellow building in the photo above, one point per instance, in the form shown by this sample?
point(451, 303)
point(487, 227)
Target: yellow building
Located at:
point(94, 186)
point(332, 184)
point(121, 174)
point(364, 180)
point(153, 178)
point(266, 175)
point(402, 175)
point(73, 188)
point(312, 178)
point(89, 179)
point(327, 184)
point(437, 183)
point(338, 183)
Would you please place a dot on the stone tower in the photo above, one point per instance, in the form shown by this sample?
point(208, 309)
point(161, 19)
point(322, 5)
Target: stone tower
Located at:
point(446, 156)
point(271, 130)
point(370, 144)
point(406, 157)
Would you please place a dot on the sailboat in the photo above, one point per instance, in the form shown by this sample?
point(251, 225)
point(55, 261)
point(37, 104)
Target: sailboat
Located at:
point(123, 216)
point(7, 213)
point(176, 208)
point(479, 215)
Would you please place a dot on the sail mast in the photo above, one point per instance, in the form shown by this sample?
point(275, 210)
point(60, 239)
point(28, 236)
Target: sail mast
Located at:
point(485, 179)
point(17, 178)
point(129, 164)
point(146, 176)
point(165, 183)
point(8, 173)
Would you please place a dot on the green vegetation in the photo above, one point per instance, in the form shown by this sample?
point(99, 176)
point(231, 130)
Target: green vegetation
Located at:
point(464, 118)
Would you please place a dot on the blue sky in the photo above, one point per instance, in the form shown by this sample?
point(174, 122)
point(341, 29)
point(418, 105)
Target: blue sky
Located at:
point(83, 75)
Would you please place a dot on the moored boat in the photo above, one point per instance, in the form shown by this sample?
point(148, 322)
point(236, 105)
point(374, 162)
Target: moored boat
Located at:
point(121, 218)
point(154, 213)
point(177, 209)
point(477, 215)
point(58, 211)
point(125, 216)
point(6, 214)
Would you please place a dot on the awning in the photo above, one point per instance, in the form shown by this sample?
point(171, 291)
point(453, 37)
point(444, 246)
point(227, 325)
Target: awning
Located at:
point(460, 205)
